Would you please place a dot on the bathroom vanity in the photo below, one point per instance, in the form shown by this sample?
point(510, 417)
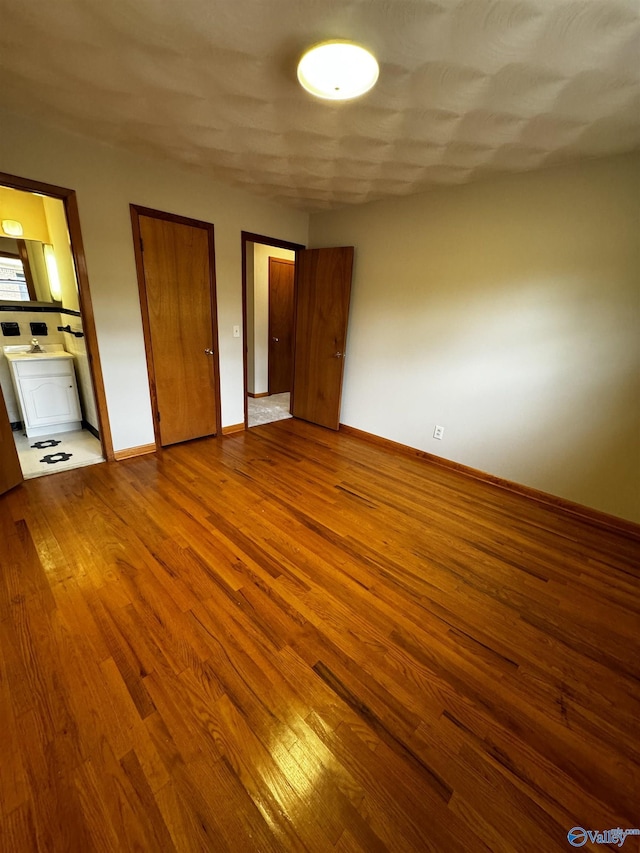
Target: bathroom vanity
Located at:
point(46, 389)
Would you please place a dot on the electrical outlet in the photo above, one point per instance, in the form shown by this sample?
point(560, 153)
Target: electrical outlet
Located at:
point(438, 432)
point(236, 331)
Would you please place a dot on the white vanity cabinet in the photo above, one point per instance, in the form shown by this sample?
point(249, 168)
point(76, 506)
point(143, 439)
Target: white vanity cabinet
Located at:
point(45, 385)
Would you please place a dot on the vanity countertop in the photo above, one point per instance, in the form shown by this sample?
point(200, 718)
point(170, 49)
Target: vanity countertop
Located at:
point(22, 352)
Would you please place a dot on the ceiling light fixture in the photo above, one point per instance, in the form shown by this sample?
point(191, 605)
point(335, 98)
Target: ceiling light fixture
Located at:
point(12, 228)
point(337, 70)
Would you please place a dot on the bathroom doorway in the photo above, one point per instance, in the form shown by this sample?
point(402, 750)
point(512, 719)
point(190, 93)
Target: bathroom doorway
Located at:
point(268, 308)
point(50, 376)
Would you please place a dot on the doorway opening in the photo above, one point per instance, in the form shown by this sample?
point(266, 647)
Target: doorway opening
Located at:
point(50, 375)
point(268, 315)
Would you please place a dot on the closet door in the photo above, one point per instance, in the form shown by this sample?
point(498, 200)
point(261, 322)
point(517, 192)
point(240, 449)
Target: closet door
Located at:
point(177, 294)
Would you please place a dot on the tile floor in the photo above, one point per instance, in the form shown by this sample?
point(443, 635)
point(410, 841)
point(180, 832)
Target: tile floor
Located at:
point(48, 454)
point(264, 410)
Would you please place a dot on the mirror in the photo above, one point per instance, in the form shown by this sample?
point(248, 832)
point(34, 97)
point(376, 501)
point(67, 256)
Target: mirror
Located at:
point(28, 273)
point(36, 247)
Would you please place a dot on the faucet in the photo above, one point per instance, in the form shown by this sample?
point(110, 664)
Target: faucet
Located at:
point(35, 346)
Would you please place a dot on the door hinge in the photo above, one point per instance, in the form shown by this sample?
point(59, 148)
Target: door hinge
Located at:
point(158, 416)
point(141, 245)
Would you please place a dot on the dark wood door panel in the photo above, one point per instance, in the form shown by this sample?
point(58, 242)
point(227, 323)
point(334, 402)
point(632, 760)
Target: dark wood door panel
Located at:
point(281, 308)
point(10, 470)
point(178, 286)
point(323, 289)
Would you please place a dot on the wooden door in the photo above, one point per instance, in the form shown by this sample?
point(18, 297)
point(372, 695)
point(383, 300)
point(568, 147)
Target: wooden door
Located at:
point(323, 288)
point(281, 307)
point(177, 290)
point(10, 471)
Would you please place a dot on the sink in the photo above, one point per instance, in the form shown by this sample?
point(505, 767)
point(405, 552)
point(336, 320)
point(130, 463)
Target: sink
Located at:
point(19, 352)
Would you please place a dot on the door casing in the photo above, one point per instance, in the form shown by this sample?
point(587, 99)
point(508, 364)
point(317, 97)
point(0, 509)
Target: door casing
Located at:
point(250, 237)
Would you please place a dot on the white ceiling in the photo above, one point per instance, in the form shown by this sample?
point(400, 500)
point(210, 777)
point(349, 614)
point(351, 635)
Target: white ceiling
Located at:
point(467, 87)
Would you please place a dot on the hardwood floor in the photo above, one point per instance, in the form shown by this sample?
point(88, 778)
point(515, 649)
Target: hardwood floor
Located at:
point(289, 639)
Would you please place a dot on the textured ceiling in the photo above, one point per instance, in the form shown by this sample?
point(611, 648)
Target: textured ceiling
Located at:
point(466, 88)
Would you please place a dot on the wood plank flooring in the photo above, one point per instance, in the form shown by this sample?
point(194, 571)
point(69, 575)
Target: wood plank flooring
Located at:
point(290, 639)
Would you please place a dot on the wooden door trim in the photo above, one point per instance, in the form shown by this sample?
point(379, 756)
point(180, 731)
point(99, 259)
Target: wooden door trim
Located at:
point(136, 211)
point(250, 237)
point(291, 264)
point(69, 199)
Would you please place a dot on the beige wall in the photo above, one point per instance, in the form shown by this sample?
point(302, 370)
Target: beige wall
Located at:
point(261, 255)
point(106, 182)
point(508, 312)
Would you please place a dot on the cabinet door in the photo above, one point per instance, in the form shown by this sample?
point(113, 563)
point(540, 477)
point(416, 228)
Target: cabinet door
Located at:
point(50, 400)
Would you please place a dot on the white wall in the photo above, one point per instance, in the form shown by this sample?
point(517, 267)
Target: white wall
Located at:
point(106, 181)
point(507, 311)
point(261, 255)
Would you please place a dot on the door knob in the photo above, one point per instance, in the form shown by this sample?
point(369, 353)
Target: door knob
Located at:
point(208, 351)
point(276, 340)
point(338, 355)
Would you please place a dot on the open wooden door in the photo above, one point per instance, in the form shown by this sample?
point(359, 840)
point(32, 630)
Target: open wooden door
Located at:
point(281, 308)
point(177, 295)
point(10, 471)
point(323, 288)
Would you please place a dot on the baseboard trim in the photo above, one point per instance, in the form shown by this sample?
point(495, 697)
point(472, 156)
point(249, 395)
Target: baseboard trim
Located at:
point(595, 517)
point(230, 430)
point(257, 396)
point(90, 428)
point(130, 452)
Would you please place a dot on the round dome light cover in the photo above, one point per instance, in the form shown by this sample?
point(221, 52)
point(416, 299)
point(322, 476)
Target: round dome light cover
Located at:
point(337, 70)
